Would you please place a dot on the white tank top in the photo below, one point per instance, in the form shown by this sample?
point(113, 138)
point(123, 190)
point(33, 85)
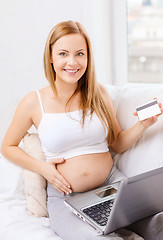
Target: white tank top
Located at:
point(63, 136)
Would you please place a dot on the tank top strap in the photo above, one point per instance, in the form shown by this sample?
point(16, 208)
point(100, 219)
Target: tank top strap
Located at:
point(40, 101)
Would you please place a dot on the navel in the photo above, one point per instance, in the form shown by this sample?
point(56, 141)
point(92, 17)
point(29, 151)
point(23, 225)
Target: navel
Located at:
point(85, 174)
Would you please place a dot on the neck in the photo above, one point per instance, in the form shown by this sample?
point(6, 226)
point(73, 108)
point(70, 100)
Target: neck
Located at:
point(66, 90)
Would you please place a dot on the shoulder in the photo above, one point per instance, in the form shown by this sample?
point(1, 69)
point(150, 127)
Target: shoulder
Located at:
point(29, 104)
point(29, 100)
point(26, 106)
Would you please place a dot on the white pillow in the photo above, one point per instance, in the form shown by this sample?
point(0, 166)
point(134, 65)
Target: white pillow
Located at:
point(34, 184)
point(147, 153)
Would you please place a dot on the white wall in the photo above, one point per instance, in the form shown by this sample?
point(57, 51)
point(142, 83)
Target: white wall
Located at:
point(24, 26)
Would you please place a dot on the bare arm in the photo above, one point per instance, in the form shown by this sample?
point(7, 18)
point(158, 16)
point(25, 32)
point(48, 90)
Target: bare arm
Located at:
point(22, 121)
point(126, 138)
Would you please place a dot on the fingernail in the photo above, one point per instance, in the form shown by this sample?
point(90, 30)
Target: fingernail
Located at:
point(68, 186)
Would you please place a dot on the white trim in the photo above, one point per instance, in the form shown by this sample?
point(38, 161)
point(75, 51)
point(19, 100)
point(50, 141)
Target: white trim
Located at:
point(109, 38)
point(102, 41)
point(119, 42)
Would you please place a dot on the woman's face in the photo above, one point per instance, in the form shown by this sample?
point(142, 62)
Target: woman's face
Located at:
point(69, 58)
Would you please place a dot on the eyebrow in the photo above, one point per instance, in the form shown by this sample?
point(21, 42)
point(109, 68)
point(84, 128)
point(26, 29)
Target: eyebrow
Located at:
point(81, 50)
point(68, 51)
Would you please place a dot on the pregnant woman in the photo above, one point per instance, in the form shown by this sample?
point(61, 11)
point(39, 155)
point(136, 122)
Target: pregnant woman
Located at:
point(76, 125)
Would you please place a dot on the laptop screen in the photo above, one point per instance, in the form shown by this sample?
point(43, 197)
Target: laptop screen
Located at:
point(106, 192)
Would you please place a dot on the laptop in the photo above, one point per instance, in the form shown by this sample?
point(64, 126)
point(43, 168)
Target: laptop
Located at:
point(120, 204)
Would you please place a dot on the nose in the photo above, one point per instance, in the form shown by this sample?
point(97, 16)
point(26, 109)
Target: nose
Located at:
point(72, 60)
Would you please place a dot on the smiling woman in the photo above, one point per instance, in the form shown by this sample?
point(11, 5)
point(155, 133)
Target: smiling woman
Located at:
point(76, 125)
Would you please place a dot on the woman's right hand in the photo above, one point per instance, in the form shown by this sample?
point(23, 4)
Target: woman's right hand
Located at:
point(52, 175)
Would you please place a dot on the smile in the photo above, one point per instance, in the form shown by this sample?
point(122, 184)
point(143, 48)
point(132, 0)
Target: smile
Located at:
point(71, 70)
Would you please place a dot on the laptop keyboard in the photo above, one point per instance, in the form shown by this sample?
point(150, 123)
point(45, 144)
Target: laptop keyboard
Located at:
point(100, 212)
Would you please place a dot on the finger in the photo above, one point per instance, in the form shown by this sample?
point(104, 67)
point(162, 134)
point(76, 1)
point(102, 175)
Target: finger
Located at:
point(55, 185)
point(160, 104)
point(62, 179)
point(62, 187)
point(63, 183)
point(57, 160)
point(161, 108)
point(160, 113)
point(57, 188)
point(155, 118)
point(135, 114)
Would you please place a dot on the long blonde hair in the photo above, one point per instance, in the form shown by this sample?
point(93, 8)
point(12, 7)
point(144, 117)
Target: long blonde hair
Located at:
point(91, 97)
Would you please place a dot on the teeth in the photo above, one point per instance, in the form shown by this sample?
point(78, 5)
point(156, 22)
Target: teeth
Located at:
point(71, 71)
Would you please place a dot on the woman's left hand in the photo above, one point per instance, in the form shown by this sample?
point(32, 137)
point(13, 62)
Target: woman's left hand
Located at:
point(150, 121)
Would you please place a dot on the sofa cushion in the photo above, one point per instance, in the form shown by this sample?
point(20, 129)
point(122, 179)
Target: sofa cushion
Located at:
point(147, 153)
point(115, 94)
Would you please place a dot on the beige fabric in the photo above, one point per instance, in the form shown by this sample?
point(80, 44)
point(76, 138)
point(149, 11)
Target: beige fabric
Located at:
point(34, 184)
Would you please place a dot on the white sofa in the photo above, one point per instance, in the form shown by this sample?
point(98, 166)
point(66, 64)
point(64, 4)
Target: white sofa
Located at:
point(146, 154)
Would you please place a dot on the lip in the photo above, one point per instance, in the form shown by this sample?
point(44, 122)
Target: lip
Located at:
point(71, 71)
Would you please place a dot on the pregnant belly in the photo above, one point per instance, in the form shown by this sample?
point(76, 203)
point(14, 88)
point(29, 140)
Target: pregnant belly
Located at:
point(86, 172)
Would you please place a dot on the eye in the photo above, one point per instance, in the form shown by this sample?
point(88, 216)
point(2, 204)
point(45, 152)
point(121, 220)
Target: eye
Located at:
point(62, 54)
point(80, 54)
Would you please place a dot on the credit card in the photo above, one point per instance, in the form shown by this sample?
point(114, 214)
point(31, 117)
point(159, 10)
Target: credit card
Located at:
point(148, 110)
